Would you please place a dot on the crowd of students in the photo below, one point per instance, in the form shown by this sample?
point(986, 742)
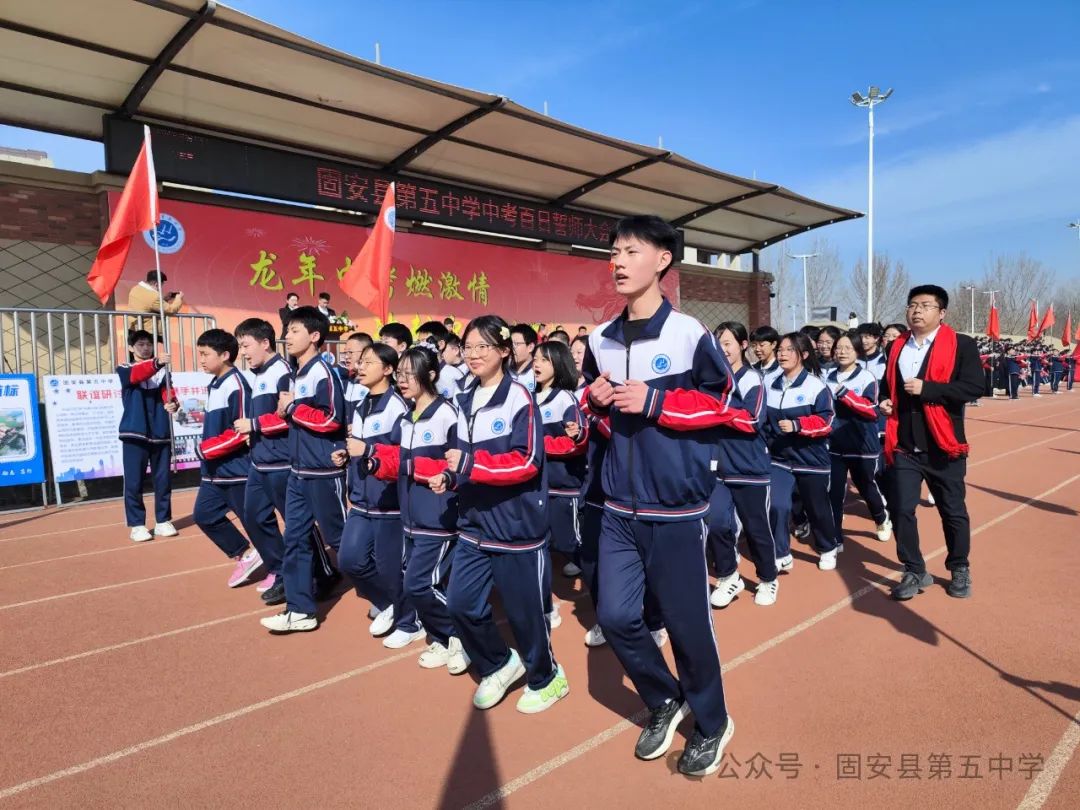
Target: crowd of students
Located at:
point(1010, 366)
point(431, 474)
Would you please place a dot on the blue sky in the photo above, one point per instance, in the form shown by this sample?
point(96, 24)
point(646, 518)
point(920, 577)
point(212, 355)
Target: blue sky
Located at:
point(976, 153)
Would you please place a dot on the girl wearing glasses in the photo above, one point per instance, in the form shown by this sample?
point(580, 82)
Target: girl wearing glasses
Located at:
point(372, 543)
point(800, 417)
point(854, 446)
point(498, 472)
point(566, 436)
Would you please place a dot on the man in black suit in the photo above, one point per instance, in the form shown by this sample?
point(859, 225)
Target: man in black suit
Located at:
point(324, 305)
point(292, 301)
point(931, 375)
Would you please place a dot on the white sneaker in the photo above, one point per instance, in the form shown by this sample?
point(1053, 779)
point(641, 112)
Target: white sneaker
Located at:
point(140, 534)
point(839, 546)
point(595, 637)
point(827, 562)
point(457, 660)
point(659, 636)
point(726, 590)
point(383, 622)
point(165, 529)
point(571, 570)
point(434, 656)
point(373, 612)
point(554, 619)
point(289, 622)
point(766, 592)
point(884, 531)
point(493, 688)
point(785, 563)
point(403, 638)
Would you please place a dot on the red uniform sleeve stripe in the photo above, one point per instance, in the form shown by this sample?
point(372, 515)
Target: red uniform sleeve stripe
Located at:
point(223, 445)
point(861, 405)
point(504, 469)
point(315, 419)
point(141, 372)
point(814, 426)
point(692, 410)
point(389, 456)
point(562, 446)
point(271, 423)
point(424, 468)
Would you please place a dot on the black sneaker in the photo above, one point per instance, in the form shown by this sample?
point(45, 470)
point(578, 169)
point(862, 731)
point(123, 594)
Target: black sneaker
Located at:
point(702, 756)
point(912, 584)
point(658, 733)
point(960, 587)
point(324, 588)
point(802, 531)
point(275, 594)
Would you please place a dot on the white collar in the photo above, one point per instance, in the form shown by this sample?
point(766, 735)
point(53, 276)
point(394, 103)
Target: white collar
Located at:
point(926, 340)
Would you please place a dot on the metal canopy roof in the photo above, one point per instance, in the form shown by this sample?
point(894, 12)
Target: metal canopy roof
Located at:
point(200, 64)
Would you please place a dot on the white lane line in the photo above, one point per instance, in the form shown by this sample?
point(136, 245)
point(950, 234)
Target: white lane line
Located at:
point(61, 531)
point(113, 587)
point(1043, 784)
point(123, 644)
point(156, 543)
point(138, 748)
point(542, 770)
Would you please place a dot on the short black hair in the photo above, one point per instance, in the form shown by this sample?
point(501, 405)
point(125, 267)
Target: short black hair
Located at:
point(448, 321)
point(830, 330)
point(312, 320)
point(433, 328)
point(583, 339)
point(292, 295)
point(386, 355)
point(802, 344)
point(855, 336)
point(583, 327)
point(490, 328)
point(324, 296)
point(930, 289)
point(899, 327)
point(738, 331)
point(562, 362)
point(256, 328)
point(560, 335)
point(651, 230)
point(398, 331)
point(811, 331)
point(451, 340)
point(220, 341)
point(135, 335)
point(152, 275)
point(424, 364)
point(526, 332)
point(764, 334)
point(873, 329)
point(363, 337)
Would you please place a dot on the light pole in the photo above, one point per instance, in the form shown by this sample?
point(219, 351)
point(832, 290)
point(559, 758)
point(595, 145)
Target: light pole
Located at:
point(873, 97)
point(792, 308)
point(805, 287)
point(972, 288)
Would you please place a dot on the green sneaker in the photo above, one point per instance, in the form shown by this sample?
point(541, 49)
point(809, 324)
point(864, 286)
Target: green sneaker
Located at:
point(533, 701)
point(494, 687)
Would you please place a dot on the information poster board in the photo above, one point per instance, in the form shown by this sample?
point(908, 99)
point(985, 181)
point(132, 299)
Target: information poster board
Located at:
point(21, 458)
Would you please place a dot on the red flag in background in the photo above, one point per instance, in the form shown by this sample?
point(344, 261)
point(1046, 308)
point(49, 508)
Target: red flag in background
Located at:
point(1047, 321)
point(993, 328)
point(1033, 323)
point(368, 280)
point(136, 211)
point(1066, 333)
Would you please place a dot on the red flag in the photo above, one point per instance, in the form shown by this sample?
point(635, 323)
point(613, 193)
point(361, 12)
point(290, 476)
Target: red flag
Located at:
point(368, 280)
point(993, 328)
point(137, 211)
point(1047, 321)
point(1066, 333)
point(1033, 323)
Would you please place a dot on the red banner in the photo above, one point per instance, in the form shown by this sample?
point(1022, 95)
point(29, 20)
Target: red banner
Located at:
point(233, 264)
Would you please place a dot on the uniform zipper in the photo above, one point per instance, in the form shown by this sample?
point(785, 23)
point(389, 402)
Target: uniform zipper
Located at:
point(630, 438)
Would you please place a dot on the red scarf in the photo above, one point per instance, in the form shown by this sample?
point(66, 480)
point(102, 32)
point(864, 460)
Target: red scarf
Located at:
point(939, 369)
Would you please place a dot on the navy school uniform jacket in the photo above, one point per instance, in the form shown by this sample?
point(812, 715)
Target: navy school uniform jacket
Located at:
point(355, 393)
point(373, 476)
point(1057, 364)
point(501, 480)
point(855, 426)
point(424, 443)
point(658, 464)
point(316, 419)
point(742, 456)
point(450, 379)
point(224, 452)
point(269, 432)
point(566, 458)
point(875, 364)
point(599, 435)
point(809, 403)
point(143, 392)
point(525, 377)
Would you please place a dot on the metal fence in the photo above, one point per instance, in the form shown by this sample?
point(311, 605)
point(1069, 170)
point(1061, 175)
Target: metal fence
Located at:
point(89, 341)
point(712, 313)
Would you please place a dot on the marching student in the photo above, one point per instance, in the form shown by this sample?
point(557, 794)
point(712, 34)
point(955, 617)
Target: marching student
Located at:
point(800, 416)
point(1057, 371)
point(891, 333)
point(268, 478)
point(452, 368)
point(372, 545)
point(145, 436)
point(743, 470)
point(224, 455)
point(1070, 366)
point(314, 409)
point(854, 446)
point(1036, 367)
point(1013, 369)
point(355, 391)
point(873, 358)
point(397, 336)
point(763, 343)
point(664, 383)
point(524, 340)
point(429, 520)
point(566, 436)
point(826, 340)
point(498, 472)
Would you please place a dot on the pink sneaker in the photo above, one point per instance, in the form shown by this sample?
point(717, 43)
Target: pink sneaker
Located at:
point(267, 583)
point(245, 567)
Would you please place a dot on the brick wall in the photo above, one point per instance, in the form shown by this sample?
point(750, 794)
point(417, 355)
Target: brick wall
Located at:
point(718, 295)
point(55, 215)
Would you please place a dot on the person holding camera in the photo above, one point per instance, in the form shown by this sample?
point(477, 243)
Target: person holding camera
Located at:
point(145, 297)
